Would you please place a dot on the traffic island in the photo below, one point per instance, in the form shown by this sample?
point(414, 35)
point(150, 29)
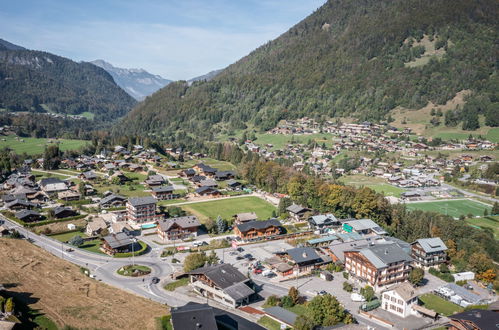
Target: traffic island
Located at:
point(134, 270)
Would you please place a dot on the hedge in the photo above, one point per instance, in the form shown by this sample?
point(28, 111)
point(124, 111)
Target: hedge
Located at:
point(447, 277)
point(143, 249)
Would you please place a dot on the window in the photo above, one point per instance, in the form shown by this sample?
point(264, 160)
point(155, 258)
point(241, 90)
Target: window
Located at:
point(401, 302)
point(399, 310)
point(393, 299)
point(387, 297)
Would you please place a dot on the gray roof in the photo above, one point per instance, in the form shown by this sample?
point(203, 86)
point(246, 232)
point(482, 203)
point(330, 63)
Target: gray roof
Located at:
point(382, 255)
point(193, 316)
point(163, 189)
point(467, 295)
point(362, 224)
point(111, 198)
point(138, 201)
point(117, 240)
point(243, 227)
point(26, 213)
point(223, 275)
point(184, 222)
point(303, 254)
point(247, 216)
point(296, 208)
point(323, 218)
point(434, 244)
point(239, 291)
point(208, 183)
point(281, 314)
point(338, 249)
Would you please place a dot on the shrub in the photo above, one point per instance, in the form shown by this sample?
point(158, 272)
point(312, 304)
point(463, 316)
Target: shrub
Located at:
point(345, 275)
point(272, 301)
point(347, 287)
point(286, 302)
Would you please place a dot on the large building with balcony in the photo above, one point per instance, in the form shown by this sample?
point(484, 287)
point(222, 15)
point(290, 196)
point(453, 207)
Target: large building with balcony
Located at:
point(429, 252)
point(141, 210)
point(178, 228)
point(378, 265)
point(253, 230)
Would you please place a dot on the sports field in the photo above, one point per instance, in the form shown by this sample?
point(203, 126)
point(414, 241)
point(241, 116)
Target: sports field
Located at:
point(33, 146)
point(226, 208)
point(454, 208)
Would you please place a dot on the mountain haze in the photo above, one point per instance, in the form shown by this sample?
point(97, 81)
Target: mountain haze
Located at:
point(358, 58)
point(38, 81)
point(136, 82)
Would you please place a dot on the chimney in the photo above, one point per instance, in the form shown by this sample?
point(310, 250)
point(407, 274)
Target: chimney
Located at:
point(386, 251)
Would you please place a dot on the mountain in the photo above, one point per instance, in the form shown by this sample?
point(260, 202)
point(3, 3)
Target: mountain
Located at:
point(136, 82)
point(38, 81)
point(210, 75)
point(356, 58)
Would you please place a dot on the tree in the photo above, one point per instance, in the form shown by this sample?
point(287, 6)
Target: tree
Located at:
point(51, 157)
point(287, 302)
point(210, 226)
point(76, 240)
point(221, 225)
point(416, 275)
point(326, 310)
point(443, 268)
point(212, 258)
point(347, 287)
point(367, 292)
point(294, 294)
point(194, 261)
point(487, 276)
point(272, 301)
point(495, 209)
point(304, 322)
point(9, 305)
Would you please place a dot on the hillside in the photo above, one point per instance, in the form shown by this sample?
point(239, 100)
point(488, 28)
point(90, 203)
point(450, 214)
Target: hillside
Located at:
point(38, 81)
point(361, 58)
point(137, 82)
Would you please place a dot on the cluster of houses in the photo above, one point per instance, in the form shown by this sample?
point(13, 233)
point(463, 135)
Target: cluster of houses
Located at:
point(207, 180)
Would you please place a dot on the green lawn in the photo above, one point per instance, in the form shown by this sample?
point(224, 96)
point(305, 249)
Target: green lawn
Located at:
point(39, 175)
point(269, 323)
point(64, 237)
point(226, 208)
point(92, 246)
point(493, 135)
point(386, 189)
point(128, 270)
point(33, 146)
point(486, 222)
point(298, 309)
point(454, 208)
point(279, 141)
point(375, 183)
point(218, 164)
point(439, 305)
point(177, 284)
point(88, 115)
point(133, 189)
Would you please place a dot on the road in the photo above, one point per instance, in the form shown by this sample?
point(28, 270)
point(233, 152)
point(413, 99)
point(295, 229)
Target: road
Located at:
point(470, 194)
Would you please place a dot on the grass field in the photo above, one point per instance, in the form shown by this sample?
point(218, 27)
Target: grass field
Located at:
point(33, 146)
point(40, 175)
point(493, 135)
point(279, 141)
point(91, 246)
point(172, 286)
point(268, 323)
point(439, 305)
point(454, 208)
point(226, 208)
point(218, 164)
point(486, 222)
point(59, 289)
point(375, 183)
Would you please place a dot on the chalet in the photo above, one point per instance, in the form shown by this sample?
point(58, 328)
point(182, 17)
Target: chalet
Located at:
point(410, 195)
point(155, 180)
point(475, 319)
point(141, 209)
point(207, 191)
point(178, 228)
point(208, 183)
point(164, 193)
point(96, 226)
point(119, 227)
point(245, 217)
point(222, 283)
point(429, 252)
point(322, 222)
point(64, 212)
point(233, 184)
point(20, 204)
point(303, 259)
point(188, 173)
point(258, 229)
point(224, 175)
point(400, 300)
point(193, 316)
point(52, 185)
point(205, 169)
point(119, 243)
point(378, 265)
point(297, 212)
point(135, 168)
point(112, 200)
point(28, 216)
point(197, 178)
point(68, 195)
point(363, 227)
point(88, 176)
point(119, 176)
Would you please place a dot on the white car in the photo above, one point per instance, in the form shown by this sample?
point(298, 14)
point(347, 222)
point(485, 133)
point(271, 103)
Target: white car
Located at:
point(357, 297)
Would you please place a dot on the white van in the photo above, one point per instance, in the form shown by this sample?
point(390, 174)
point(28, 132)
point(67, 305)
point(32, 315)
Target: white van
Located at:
point(357, 297)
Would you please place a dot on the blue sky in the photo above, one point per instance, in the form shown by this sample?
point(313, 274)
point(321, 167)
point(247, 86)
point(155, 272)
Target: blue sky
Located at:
point(178, 39)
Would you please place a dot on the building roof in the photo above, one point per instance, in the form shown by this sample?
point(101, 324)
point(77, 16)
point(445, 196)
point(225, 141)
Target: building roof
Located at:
point(117, 240)
point(465, 294)
point(20, 202)
point(223, 275)
point(60, 209)
point(184, 222)
point(405, 290)
point(239, 291)
point(322, 219)
point(281, 314)
point(296, 209)
point(303, 254)
point(193, 316)
point(324, 239)
point(46, 181)
point(68, 193)
point(162, 189)
point(138, 201)
point(206, 168)
point(247, 216)
point(110, 198)
point(26, 213)
point(364, 224)
point(96, 224)
point(483, 319)
point(382, 255)
point(208, 183)
point(429, 245)
point(244, 227)
point(205, 189)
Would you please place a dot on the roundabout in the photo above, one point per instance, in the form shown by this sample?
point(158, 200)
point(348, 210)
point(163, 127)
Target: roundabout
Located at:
point(134, 270)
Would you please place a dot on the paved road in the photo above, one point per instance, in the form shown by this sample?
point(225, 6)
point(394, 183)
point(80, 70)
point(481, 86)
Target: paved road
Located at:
point(470, 194)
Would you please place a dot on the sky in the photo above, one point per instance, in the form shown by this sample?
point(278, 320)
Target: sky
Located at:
point(177, 39)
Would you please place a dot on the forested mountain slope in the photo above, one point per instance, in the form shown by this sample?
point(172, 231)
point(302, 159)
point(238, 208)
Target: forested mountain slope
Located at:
point(42, 82)
point(350, 57)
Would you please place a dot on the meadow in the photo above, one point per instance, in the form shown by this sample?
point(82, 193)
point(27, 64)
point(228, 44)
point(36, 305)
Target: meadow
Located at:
point(375, 183)
point(279, 141)
point(35, 146)
point(454, 208)
point(491, 222)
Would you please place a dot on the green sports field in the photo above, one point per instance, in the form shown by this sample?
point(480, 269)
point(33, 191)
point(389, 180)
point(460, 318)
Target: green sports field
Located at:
point(454, 208)
point(34, 146)
point(227, 208)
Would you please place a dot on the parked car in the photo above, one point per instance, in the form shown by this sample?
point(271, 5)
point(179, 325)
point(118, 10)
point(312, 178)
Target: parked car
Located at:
point(239, 258)
point(69, 250)
point(323, 293)
point(357, 297)
point(155, 280)
point(202, 243)
point(268, 273)
point(257, 271)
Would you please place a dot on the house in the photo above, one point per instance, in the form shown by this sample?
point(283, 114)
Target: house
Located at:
point(88, 176)
point(141, 209)
point(205, 169)
point(193, 316)
point(400, 299)
point(363, 227)
point(222, 283)
point(233, 184)
point(28, 216)
point(118, 227)
point(297, 212)
point(96, 226)
point(208, 183)
point(207, 191)
point(322, 222)
point(224, 175)
point(52, 185)
point(378, 265)
point(112, 201)
point(119, 243)
point(428, 252)
point(164, 193)
point(68, 195)
point(303, 259)
point(474, 319)
point(155, 180)
point(245, 217)
point(188, 173)
point(20, 204)
point(258, 229)
point(178, 228)
point(118, 176)
point(64, 212)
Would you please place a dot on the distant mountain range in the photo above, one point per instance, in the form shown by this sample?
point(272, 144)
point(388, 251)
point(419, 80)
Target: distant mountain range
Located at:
point(137, 82)
point(210, 75)
point(38, 81)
